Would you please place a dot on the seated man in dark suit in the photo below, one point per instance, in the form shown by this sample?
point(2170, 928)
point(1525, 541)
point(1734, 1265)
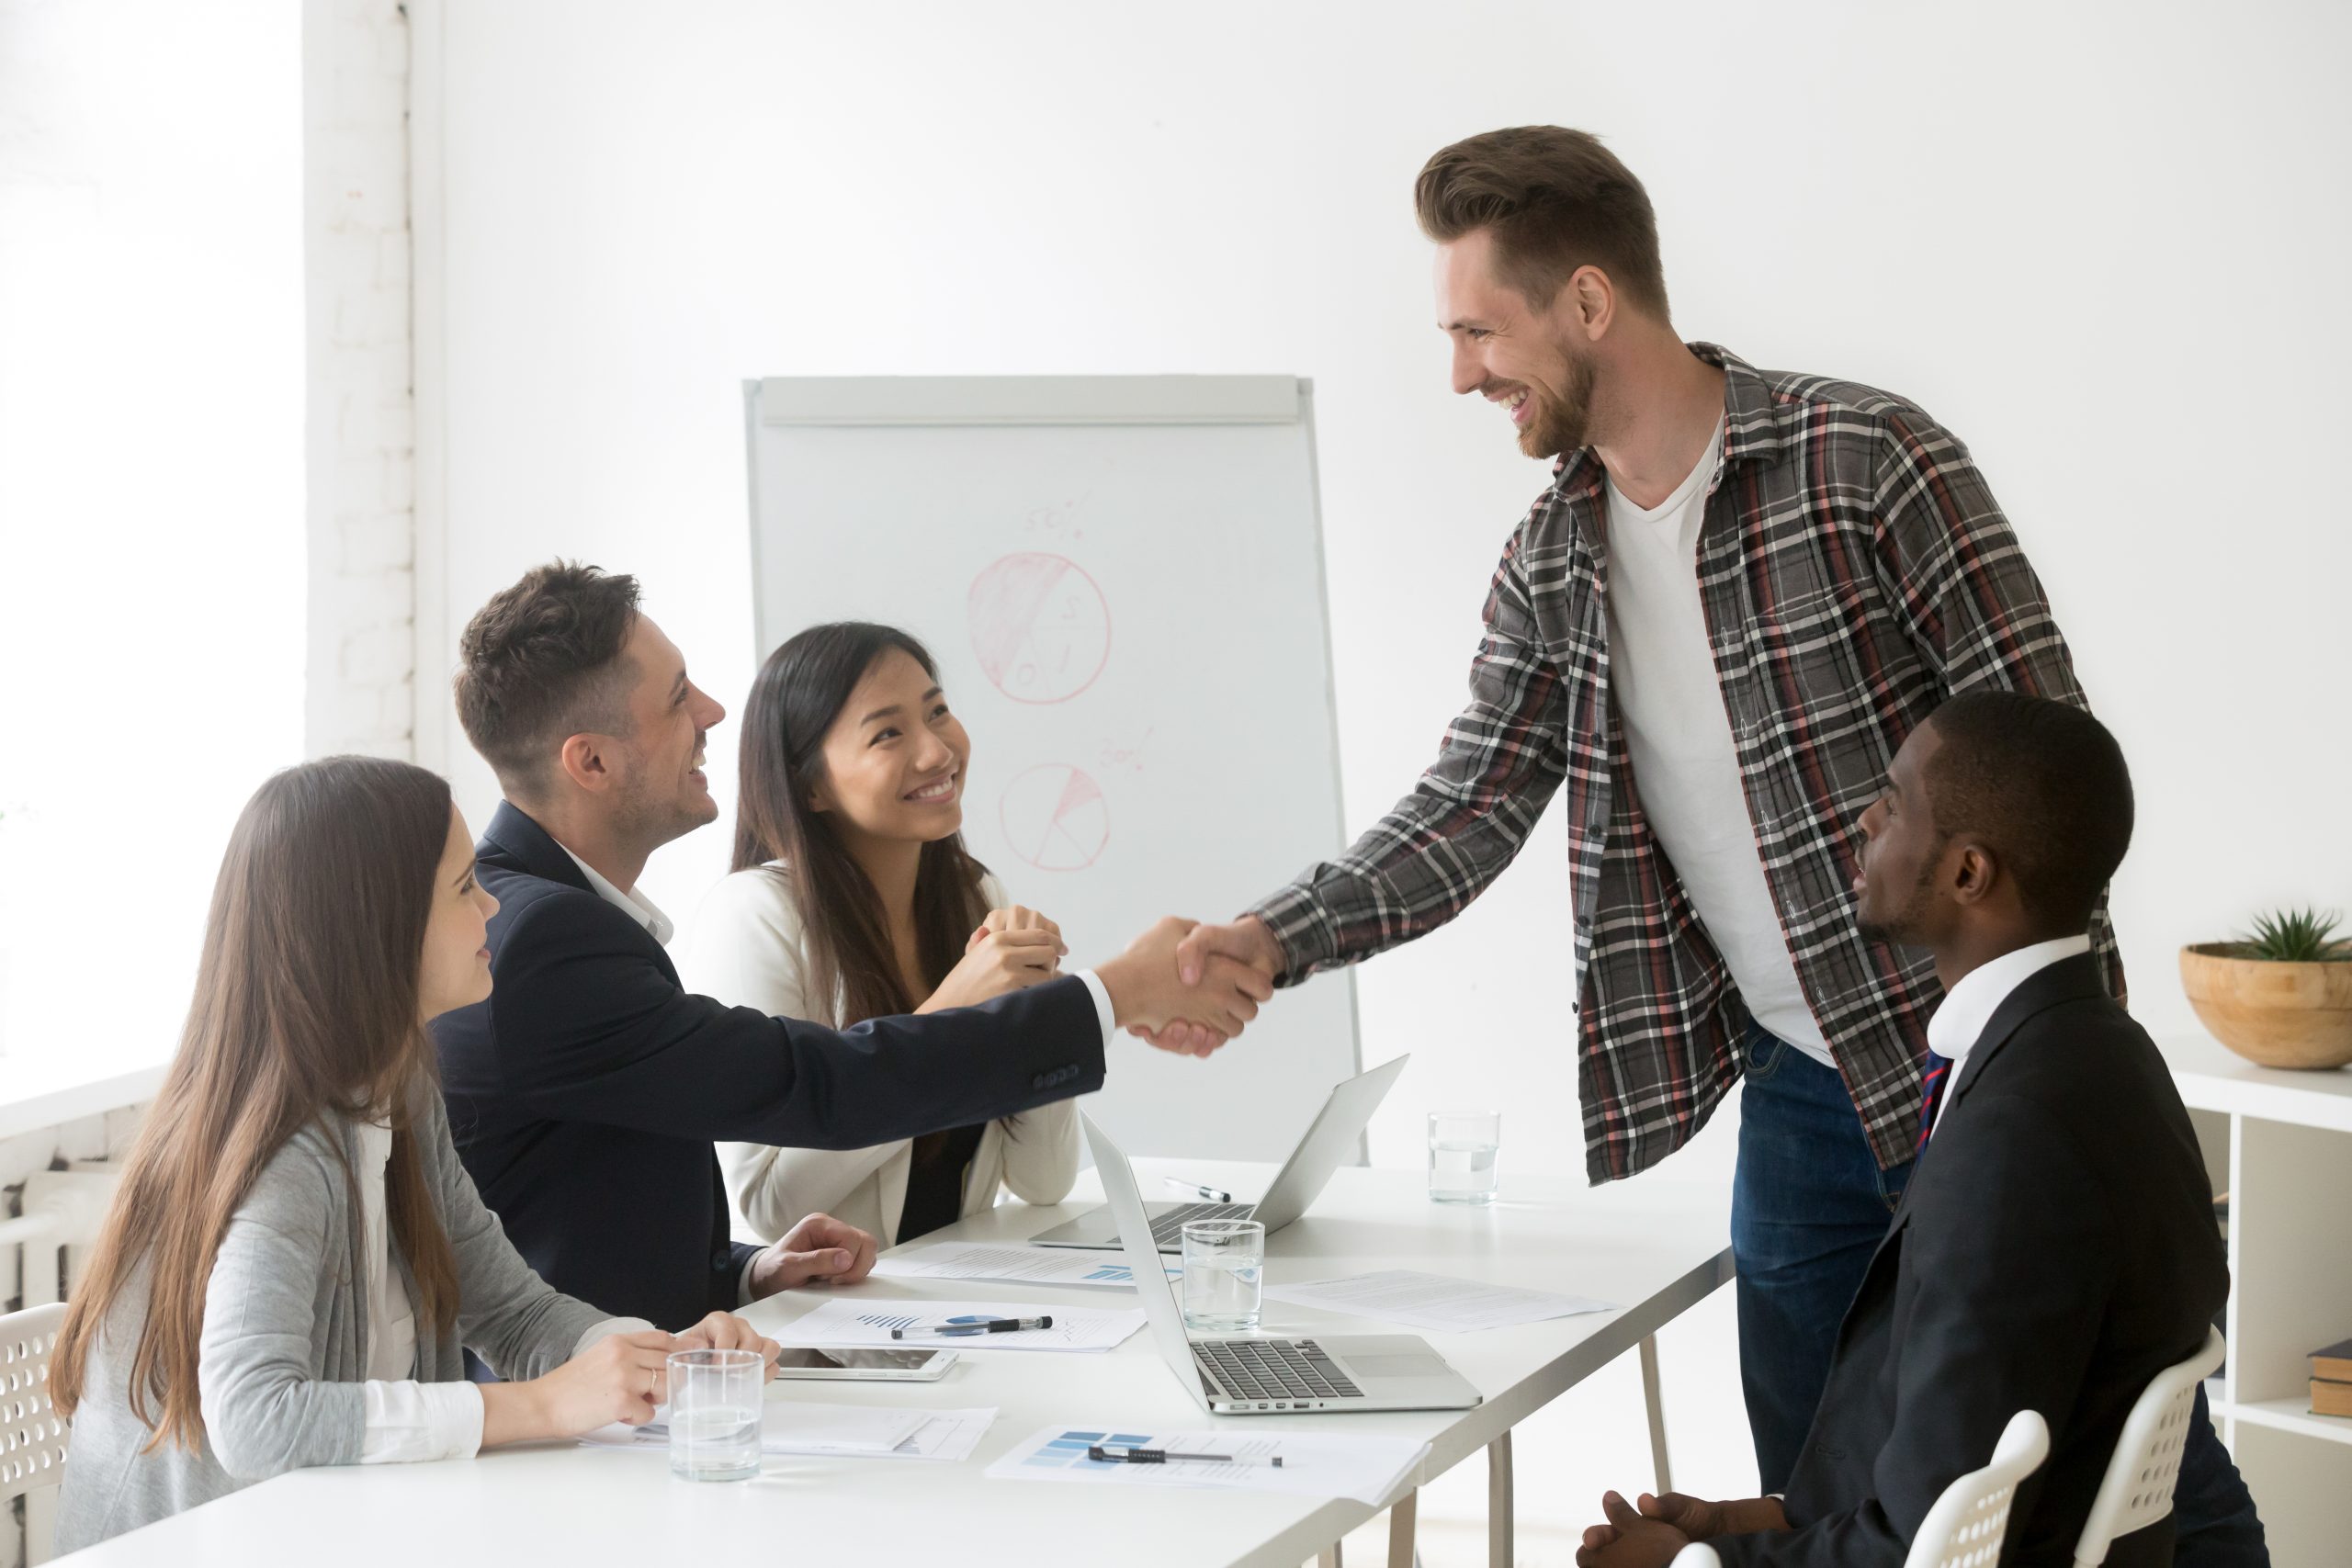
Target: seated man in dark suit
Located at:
point(584, 1095)
point(2055, 1248)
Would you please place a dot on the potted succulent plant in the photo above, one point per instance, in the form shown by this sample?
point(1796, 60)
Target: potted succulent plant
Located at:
point(2282, 996)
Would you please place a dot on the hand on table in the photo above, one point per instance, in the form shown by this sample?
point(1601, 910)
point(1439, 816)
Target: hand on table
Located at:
point(820, 1250)
point(619, 1378)
point(1013, 949)
point(1148, 995)
point(622, 1377)
point(725, 1331)
point(1246, 941)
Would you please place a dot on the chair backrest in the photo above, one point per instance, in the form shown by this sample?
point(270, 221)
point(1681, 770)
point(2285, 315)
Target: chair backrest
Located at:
point(2137, 1489)
point(1965, 1527)
point(32, 1434)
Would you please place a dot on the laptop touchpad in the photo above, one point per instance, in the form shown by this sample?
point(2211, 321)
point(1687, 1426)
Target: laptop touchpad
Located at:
point(1424, 1365)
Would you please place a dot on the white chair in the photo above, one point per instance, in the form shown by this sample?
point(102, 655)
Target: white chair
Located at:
point(32, 1434)
point(2137, 1489)
point(1965, 1527)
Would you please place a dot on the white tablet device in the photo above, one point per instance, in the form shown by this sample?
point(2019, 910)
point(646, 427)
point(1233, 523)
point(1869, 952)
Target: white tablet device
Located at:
point(893, 1366)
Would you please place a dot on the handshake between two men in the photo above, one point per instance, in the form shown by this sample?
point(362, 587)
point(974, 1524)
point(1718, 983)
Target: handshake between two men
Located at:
point(1183, 985)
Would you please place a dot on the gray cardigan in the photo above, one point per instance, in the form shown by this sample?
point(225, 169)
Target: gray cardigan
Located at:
point(284, 1343)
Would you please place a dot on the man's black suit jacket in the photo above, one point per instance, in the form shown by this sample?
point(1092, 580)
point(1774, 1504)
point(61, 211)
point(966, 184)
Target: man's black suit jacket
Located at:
point(2055, 1251)
point(585, 1093)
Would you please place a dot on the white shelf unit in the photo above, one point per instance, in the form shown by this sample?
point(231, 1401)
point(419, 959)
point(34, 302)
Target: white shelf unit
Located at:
point(2280, 1145)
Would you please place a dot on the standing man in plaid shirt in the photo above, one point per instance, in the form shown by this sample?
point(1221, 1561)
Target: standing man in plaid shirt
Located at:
point(1739, 593)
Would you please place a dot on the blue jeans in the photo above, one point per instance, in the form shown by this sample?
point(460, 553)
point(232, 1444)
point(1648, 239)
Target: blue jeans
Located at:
point(1808, 1208)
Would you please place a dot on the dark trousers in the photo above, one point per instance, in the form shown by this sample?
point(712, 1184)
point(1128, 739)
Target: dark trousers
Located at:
point(1808, 1207)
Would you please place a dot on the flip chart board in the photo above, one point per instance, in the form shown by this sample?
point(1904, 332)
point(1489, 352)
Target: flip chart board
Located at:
point(1122, 581)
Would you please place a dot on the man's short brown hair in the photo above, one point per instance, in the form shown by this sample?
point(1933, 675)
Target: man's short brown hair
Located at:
point(542, 663)
point(1555, 200)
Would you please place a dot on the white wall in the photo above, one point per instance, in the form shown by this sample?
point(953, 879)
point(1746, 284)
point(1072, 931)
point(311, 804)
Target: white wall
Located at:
point(151, 500)
point(2103, 244)
point(2106, 250)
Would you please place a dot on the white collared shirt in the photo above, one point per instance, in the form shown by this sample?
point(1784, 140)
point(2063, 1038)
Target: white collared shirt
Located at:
point(633, 903)
point(638, 908)
point(1968, 1006)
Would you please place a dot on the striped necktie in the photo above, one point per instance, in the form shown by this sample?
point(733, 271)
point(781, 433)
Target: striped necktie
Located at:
point(1932, 1086)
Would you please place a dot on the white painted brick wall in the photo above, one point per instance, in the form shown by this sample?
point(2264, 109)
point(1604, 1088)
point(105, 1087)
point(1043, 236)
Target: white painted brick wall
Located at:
point(362, 439)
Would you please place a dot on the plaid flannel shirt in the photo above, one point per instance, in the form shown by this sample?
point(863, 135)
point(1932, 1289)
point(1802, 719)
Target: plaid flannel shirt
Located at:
point(1854, 572)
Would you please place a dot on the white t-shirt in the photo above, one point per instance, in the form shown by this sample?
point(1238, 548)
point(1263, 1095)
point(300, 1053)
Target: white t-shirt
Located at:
point(1685, 766)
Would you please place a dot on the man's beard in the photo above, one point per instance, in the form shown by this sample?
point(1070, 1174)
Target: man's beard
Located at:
point(1901, 929)
point(1562, 424)
point(653, 818)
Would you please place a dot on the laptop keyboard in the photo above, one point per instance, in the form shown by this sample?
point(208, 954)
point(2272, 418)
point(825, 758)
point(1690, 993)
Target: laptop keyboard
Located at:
point(1273, 1369)
point(1168, 1230)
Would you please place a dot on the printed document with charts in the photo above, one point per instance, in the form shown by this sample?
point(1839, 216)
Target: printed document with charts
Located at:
point(1314, 1465)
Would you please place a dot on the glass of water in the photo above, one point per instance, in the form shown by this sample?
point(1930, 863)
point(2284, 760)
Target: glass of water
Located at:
point(1225, 1267)
point(714, 1413)
point(1463, 1146)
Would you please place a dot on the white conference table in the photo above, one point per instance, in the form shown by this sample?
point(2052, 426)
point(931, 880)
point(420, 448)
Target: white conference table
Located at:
point(1657, 1245)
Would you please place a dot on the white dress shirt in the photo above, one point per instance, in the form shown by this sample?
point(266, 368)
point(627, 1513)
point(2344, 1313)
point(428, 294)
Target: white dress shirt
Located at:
point(1970, 1005)
point(406, 1419)
point(628, 901)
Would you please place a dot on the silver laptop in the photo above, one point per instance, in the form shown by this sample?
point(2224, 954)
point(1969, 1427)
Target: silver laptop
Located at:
point(1330, 1143)
point(1264, 1375)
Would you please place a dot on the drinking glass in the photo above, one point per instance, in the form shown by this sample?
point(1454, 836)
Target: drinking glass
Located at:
point(714, 1413)
point(1225, 1266)
point(1463, 1149)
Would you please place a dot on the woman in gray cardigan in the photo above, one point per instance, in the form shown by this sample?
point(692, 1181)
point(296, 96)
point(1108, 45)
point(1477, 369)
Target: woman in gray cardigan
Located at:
point(296, 1258)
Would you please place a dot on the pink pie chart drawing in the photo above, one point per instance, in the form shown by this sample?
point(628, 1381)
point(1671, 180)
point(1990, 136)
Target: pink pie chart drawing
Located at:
point(1040, 627)
point(1055, 817)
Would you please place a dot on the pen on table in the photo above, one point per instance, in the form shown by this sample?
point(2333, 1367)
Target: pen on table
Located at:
point(977, 1325)
point(1207, 1194)
point(1111, 1454)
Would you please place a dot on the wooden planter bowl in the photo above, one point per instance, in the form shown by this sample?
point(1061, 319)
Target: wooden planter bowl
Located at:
point(2280, 1015)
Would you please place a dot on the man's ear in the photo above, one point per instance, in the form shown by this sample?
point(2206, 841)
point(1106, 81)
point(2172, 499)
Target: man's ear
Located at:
point(584, 760)
point(1591, 300)
point(1972, 873)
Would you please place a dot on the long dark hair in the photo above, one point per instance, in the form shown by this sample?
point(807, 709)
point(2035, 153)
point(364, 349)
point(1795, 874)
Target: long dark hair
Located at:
point(852, 969)
point(306, 1005)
